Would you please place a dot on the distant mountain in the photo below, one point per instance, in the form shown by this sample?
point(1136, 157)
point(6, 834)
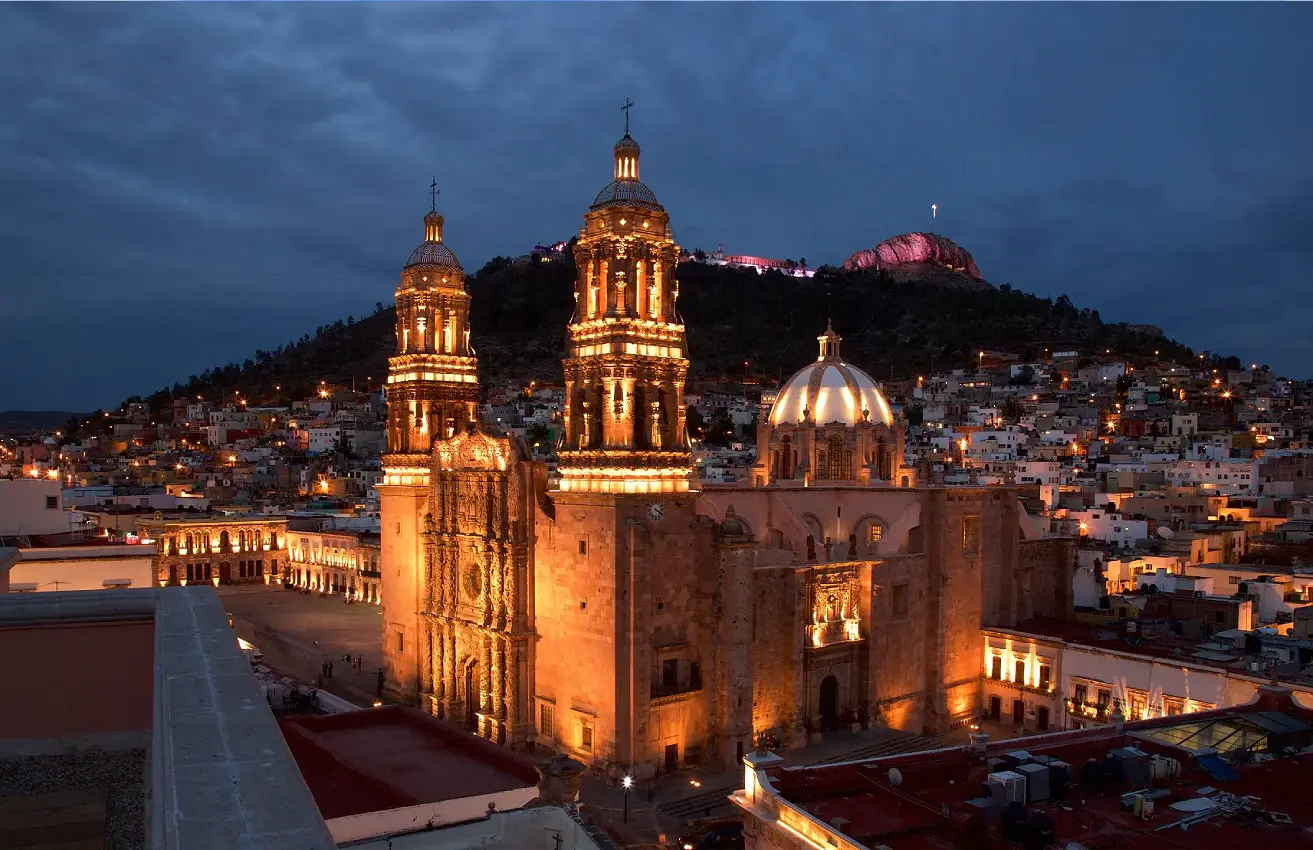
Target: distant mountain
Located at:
point(32, 421)
point(894, 325)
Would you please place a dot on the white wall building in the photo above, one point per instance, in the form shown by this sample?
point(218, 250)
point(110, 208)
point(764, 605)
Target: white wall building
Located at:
point(1100, 524)
point(33, 506)
point(83, 568)
point(1229, 477)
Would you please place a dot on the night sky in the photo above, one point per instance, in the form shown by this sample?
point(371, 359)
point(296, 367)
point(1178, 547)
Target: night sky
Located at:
point(184, 184)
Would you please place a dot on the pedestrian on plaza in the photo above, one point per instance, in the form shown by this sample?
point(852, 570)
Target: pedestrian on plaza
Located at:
point(330, 669)
point(380, 684)
point(323, 670)
point(319, 681)
point(360, 662)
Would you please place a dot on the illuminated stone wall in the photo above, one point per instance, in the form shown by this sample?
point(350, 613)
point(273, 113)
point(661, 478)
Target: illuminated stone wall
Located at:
point(476, 631)
point(622, 610)
point(228, 550)
point(402, 508)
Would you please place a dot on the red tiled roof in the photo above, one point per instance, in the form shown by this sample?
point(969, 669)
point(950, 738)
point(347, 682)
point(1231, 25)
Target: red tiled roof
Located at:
point(388, 758)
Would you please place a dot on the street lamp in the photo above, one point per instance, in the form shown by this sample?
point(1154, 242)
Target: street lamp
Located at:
point(628, 782)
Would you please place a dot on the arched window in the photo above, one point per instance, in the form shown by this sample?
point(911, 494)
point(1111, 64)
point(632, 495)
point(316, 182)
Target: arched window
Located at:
point(838, 459)
point(784, 469)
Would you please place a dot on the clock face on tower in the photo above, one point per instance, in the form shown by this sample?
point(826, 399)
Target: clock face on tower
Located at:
point(655, 511)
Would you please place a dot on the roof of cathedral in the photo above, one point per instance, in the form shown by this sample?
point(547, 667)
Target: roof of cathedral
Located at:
point(630, 193)
point(627, 141)
point(474, 449)
point(433, 254)
point(432, 251)
point(830, 390)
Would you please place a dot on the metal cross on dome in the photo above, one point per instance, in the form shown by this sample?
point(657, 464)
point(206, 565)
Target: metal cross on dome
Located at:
point(625, 109)
point(433, 194)
point(934, 210)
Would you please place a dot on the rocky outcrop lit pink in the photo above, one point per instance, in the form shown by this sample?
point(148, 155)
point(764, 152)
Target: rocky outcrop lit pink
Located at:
point(915, 248)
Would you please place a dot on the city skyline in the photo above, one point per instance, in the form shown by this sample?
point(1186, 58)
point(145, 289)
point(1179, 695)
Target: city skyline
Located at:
point(190, 172)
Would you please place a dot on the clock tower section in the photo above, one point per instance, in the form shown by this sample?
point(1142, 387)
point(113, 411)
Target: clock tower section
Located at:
point(432, 392)
point(624, 420)
point(622, 539)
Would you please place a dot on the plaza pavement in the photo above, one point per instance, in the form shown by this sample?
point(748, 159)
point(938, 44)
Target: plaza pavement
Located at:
point(297, 633)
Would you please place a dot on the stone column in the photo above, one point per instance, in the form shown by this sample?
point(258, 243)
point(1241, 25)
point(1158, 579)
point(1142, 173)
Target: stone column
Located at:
point(484, 704)
point(568, 420)
point(450, 638)
point(426, 657)
point(439, 666)
point(499, 686)
point(512, 695)
point(629, 419)
point(680, 437)
point(609, 422)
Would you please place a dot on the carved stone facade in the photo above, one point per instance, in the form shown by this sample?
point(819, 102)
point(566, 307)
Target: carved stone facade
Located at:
point(217, 549)
point(476, 631)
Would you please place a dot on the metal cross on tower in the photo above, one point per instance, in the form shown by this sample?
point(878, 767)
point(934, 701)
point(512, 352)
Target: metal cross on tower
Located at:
point(934, 210)
point(433, 194)
point(625, 109)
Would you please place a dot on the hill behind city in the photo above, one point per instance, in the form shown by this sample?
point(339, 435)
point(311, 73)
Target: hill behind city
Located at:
point(741, 325)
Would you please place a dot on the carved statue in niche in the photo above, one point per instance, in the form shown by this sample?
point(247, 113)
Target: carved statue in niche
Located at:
point(832, 609)
point(473, 581)
point(852, 547)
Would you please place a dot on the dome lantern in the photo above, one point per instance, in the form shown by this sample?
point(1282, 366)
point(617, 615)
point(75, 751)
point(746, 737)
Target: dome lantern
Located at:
point(829, 343)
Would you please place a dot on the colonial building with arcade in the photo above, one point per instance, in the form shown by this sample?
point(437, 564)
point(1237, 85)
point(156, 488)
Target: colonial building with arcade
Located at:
point(636, 619)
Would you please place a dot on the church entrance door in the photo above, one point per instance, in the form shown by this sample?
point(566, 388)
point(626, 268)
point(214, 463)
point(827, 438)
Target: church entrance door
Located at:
point(471, 697)
point(225, 572)
point(995, 708)
point(829, 703)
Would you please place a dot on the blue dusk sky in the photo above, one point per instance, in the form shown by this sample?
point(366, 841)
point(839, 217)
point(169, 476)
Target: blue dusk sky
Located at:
point(185, 183)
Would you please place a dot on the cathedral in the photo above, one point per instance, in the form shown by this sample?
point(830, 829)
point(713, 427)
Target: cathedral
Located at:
point(642, 621)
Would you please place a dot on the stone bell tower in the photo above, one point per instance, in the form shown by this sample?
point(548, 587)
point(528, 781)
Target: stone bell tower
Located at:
point(432, 392)
point(624, 419)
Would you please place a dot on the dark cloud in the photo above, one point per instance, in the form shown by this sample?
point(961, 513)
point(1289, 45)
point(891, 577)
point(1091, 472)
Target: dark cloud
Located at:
point(184, 183)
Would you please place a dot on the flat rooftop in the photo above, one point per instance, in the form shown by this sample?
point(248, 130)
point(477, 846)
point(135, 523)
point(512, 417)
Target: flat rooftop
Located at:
point(140, 724)
point(397, 756)
point(1249, 767)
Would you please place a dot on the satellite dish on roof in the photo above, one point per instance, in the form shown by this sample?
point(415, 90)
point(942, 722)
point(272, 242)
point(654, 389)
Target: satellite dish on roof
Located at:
point(895, 777)
point(1166, 533)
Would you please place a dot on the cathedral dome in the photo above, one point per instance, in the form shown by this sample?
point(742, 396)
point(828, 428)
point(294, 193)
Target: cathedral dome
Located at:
point(830, 390)
point(628, 193)
point(432, 252)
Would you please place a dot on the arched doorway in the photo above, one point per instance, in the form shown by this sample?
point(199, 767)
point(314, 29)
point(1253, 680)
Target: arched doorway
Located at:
point(829, 703)
point(472, 696)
